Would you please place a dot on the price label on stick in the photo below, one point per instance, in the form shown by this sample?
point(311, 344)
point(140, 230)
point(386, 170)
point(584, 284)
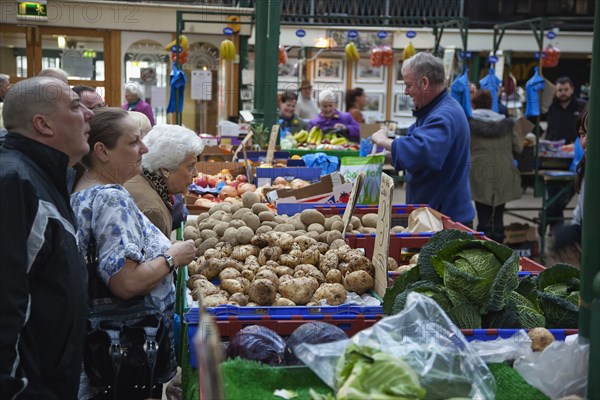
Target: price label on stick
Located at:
point(272, 143)
point(356, 188)
point(382, 238)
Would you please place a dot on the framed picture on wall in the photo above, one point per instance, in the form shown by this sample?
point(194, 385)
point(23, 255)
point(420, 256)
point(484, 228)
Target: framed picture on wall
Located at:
point(329, 69)
point(403, 104)
point(289, 70)
point(374, 102)
point(366, 73)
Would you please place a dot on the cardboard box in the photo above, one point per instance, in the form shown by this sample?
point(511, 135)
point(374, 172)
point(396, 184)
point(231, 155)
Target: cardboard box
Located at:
point(367, 130)
point(209, 140)
point(330, 189)
point(216, 153)
point(266, 176)
point(213, 168)
point(519, 233)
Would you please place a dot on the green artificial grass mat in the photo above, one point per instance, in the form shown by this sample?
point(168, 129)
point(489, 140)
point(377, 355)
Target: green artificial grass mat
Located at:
point(245, 380)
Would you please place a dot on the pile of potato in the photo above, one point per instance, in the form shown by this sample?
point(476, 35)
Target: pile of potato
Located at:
point(263, 259)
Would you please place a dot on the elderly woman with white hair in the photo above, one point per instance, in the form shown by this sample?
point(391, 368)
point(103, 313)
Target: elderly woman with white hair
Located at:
point(135, 102)
point(167, 170)
point(330, 118)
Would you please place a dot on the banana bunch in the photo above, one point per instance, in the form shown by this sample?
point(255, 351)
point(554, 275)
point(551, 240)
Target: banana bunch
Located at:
point(315, 135)
point(408, 51)
point(339, 141)
point(227, 50)
point(352, 52)
point(301, 136)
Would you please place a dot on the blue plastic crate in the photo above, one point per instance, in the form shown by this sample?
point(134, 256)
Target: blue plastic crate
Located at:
point(493, 334)
point(344, 311)
point(261, 155)
point(311, 175)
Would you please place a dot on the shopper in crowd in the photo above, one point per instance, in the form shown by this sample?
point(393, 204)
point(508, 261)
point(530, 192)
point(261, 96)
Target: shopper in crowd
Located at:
point(43, 292)
point(494, 178)
point(356, 99)
point(89, 97)
point(55, 73)
point(330, 118)
point(134, 257)
point(288, 120)
point(135, 102)
point(4, 86)
point(168, 168)
point(562, 119)
point(567, 241)
point(435, 151)
point(142, 122)
point(306, 107)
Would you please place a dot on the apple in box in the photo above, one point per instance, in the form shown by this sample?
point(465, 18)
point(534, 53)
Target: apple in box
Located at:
point(201, 181)
point(241, 178)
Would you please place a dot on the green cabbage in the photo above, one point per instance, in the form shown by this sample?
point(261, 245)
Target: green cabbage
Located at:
point(484, 272)
point(367, 373)
point(558, 293)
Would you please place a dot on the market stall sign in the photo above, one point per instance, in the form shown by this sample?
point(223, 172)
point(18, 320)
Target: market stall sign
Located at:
point(411, 34)
point(382, 238)
point(227, 31)
point(352, 34)
point(300, 33)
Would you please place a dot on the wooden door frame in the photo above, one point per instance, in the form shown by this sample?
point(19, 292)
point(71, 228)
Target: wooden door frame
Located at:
point(29, 32)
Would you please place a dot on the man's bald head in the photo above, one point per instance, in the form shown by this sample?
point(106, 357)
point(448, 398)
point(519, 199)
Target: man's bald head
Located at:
point(55, 73)
point(28, 97)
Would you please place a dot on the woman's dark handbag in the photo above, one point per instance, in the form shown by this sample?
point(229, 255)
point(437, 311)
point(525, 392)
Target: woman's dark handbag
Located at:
point(127, 342)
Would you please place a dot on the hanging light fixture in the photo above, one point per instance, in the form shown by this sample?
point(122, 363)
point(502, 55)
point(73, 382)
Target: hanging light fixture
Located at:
point(62, 42)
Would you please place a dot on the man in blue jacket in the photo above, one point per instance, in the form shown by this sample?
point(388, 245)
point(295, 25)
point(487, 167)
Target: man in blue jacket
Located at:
point(435, 151)
point(43, 277)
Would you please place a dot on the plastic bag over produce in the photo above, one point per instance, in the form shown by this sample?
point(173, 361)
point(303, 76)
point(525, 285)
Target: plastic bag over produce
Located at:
point(328, 164)
point(426, 340)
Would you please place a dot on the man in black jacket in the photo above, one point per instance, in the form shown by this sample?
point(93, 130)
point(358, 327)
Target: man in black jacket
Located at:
point(43, 289)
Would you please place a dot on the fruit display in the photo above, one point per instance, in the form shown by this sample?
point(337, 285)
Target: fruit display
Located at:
point(282, 58)
point(381, 56)
point(352, 52)
point(264, 259)
point(408, 51)
point(316, 139)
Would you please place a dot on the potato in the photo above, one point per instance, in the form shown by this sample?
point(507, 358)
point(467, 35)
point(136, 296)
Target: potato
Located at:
point(249, 199)
point(337, 243)
point(240, 213)
point(211, 268)
point(334, 276)
point(283, 302)
point(311, 216)
point(358, 281)
point(212, 253)
point(269, 253)
point(304, 242)
point(350, 254)
point(392, 264)
point(298, 290)
point(540, 338)
point(328, 262)
point(272, 224)
point(225, 248)
point(298, 224)
point(248, 274)
point(208, 224)
point(207, 244)
point(361, 264)
point(191, 232)
point(263, 229)
point(234, 207)
point(284, 228)
point(328, 222)
point(237, 223)
point(251, 221)
point(289, 261)
point(313, 235)
point(332, 236)
point(369, 220)
point(337, 226)
point(284, 278)
point(192, 267)
point(309, 270)
point(283, 270)
point(202, 217)
point(270, 275)
point(333, 293)
point(192, 279)
point(355, 222)
point(230, 236)
point(244, 234)
point(282, 239)
point(208, 233)
point(232, 286)
point(311, 256)
point(198, 242)
point(241, 253)
point(262, 291)
point(257, 208)
point(321, 247)
point(218, 215)
point(280, 219)
point(323, 237)
point(191, 222)
point(214, 300)
point(229, 273)
point(239, 298)
point(219, 229)
point(315, 228)
point(397, 229)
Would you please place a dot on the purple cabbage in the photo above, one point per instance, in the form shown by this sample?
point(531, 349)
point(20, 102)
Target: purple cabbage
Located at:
point(257, 343)
point(311, 333)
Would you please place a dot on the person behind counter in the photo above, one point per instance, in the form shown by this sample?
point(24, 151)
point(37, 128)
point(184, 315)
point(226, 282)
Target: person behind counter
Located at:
point(288, 120)
point(435, 151)
point(330, 118)
point(356, 99)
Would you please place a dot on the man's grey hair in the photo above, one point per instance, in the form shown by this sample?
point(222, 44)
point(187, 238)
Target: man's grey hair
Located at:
point(38, 95)
point(55, 73)
point(168, 145)
point(4, 78)
point(426, 64)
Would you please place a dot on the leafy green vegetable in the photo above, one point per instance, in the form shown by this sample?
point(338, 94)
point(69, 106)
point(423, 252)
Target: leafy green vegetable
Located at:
point(465, 316)
point(558, 293)
point(436, 242)
point(519, 313)
point(485, 272)
point(400, 284)
point(367, 373)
